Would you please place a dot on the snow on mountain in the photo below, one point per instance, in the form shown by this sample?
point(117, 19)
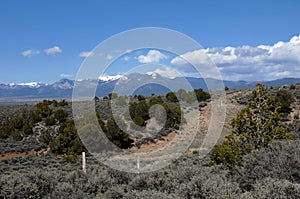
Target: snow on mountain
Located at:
point(105, 85)
point(30, 84)
point(167, 73)
point(152, 74)
point(109, 77)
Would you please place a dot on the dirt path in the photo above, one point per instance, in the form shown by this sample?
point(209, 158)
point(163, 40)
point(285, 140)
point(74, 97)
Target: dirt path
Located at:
point(154, 146)
point(232, 107)
point(22, 154)
point(295, 112)
point(197, 125)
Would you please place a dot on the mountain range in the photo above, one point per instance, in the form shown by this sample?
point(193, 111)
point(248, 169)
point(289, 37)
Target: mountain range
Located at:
point(106, 84)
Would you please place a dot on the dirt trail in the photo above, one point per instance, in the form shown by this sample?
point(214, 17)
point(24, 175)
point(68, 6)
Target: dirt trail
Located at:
point(154, 146)
point(22, 154)
point(232, 107)
point(156, 155)
point(295, 112)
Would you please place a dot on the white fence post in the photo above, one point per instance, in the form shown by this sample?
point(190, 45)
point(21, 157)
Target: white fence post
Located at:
point(138, 164)
point(83, 162)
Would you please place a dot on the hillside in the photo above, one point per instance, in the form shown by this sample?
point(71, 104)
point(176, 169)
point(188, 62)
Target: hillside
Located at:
point(31, 165)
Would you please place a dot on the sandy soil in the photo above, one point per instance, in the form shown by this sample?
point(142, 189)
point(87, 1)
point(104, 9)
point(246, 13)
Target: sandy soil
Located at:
point(149, 147)
point(21, 154)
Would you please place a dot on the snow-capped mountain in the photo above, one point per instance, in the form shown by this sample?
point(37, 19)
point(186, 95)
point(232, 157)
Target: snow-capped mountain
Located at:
point(109, 77)
point(152, 74)
point(29, 84)
point(146, 84)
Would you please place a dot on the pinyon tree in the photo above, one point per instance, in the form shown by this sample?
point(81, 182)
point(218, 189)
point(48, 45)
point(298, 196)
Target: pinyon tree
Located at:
point(255, 126)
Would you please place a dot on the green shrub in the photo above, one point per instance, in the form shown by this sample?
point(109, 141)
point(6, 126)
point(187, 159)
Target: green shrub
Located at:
point(62, 103)
point(43, 109)
point(60, 115)
point(55, 103)
point(229, 153)
point(201, 95)
point(292, 87)
point(70, 158)
point(140, 97)
point(46, 138)
point(139, 121)
point(171, 97)
point(67, 141)
point(34, 116)
point(139, 109)
point(174, 116)
point(50, 120)
point(3, 132)
point(16, 135)
point(27, 128)
point(117, 136)
point(17, 122)
point(155, 100)
point(284, 98)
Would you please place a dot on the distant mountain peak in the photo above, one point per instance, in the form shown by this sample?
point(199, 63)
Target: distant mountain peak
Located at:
point(63, 84)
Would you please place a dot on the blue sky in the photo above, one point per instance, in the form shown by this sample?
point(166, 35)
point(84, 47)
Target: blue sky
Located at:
point(42, 40)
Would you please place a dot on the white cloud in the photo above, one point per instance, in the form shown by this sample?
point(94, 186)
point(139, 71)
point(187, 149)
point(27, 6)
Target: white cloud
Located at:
point(196, 62)
point(64, 75)
point(52, 51)
point(126, 58)
point(263, 62)
point(109, 57)
point(153, 56)
point(282, 74)
point(86, 54)
point(198, 56)
point(165, 72)
point(30, 53)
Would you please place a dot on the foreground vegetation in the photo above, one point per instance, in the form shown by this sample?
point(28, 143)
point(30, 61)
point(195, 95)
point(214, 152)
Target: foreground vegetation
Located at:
point(259, 160)
point(256, 126)
point(269, 173)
